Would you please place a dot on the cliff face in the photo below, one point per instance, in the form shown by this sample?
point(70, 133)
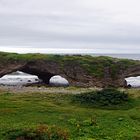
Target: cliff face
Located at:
point(78, 70)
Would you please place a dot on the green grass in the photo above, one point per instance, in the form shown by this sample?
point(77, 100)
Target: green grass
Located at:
point(83, 122)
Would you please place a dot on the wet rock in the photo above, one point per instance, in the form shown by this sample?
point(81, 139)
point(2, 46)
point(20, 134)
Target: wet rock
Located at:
point(129, 86)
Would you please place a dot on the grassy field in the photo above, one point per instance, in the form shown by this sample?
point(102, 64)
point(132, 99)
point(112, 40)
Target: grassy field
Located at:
point(28, 110)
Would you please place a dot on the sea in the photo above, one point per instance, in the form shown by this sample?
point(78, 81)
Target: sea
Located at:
point(125, 56)
point(20, 79)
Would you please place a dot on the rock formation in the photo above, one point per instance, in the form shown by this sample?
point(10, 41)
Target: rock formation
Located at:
point(78, 70)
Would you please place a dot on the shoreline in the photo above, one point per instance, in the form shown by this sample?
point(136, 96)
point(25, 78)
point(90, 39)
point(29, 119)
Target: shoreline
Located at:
point(43, 89)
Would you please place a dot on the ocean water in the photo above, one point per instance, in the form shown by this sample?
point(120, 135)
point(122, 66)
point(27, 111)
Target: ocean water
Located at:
point(133, 81)
point(125, 56)
point(19, 78)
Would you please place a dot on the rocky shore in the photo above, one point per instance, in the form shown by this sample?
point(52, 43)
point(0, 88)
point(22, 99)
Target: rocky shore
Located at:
point(43, 89)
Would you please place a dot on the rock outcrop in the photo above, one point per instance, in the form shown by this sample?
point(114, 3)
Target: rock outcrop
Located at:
point(78, 70)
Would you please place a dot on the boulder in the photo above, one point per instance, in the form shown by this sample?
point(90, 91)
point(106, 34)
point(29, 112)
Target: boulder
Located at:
point(58, 81)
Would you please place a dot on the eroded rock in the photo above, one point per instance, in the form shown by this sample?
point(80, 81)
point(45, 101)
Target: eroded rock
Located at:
point(85, 71)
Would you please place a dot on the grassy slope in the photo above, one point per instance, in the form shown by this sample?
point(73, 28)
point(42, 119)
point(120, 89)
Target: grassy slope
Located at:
point(26, 110)
point(93, 65)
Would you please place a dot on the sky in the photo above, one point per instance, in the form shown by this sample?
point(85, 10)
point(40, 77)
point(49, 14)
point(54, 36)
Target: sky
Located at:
point(74, 26)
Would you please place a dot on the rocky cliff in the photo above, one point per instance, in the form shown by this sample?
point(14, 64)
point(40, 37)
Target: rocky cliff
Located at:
point(78, 70)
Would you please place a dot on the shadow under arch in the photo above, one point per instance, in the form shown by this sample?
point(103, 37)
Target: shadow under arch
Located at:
point(44, 76)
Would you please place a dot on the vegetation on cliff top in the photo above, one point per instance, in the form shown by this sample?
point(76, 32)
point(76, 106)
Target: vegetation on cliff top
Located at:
point(96, 66)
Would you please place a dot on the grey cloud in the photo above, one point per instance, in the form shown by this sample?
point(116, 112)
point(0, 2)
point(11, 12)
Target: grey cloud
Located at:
point(63, 32)
point(66, 24)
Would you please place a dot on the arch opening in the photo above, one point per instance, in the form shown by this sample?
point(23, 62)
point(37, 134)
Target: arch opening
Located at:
point(58, 81)
point(48, 78)
point(133, 81)
point(19, 78)
point(43, 75)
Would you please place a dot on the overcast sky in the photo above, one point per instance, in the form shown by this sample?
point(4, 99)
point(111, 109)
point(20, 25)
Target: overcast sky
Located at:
point(97, 26)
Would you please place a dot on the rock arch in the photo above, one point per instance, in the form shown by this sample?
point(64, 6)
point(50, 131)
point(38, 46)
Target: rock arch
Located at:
point(46, 69)
point(43, 70)
point(78, 70)
point(38, 69)
point(132, 72)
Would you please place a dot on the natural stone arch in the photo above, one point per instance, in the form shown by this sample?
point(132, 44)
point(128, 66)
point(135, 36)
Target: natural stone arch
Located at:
point(29, 68)
point(46, 69)
point(78, 70)
point(44, 76)
point(132, 72)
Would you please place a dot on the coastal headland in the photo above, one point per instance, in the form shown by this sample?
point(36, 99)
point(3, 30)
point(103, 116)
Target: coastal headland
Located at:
point(79, 70)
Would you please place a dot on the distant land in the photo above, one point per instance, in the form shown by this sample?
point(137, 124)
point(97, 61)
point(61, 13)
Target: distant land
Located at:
point(129, 54)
